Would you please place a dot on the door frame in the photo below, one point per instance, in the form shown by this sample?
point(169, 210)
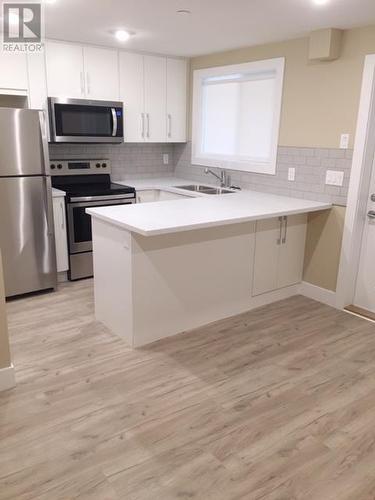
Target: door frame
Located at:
point(363, 160)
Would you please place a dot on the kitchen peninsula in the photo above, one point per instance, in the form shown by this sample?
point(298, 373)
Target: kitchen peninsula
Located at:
point(167, 267)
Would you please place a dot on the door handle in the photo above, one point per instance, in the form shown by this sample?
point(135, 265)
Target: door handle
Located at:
point(148, 125)
point(114, 121)
point(371, 214)
point(62, 215)
point(82, 83)
point(283, 241)
point(143, 124)
point(279, 239)
point(169, 125)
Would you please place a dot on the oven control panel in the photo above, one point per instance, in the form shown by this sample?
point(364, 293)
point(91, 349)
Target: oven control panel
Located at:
point(79, 167)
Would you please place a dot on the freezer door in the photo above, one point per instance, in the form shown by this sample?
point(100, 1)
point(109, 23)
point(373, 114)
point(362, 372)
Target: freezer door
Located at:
point(26, 234)
point(21, 144)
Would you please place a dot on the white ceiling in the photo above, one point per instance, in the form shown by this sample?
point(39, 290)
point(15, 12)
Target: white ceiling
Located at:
point(212, 26)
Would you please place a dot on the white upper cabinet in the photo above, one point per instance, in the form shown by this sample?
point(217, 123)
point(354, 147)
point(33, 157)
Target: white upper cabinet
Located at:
point(153, 90)
point(37, 82)
point(65, 73)
point(176, 99)
point(101, 73)
point(80, 72)
point(13, 71)
point(155, 71)
point(132, 95)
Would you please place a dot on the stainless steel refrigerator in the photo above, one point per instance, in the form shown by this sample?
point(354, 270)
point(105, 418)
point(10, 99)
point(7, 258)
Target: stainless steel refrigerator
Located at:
point(26, 217)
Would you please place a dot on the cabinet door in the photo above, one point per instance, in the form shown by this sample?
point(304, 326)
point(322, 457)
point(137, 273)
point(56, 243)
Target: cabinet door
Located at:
point(176, 100)
point(266, 259)
point(37, 81)
point(13, 71)
point(132, 95)
point(155, 69)
point(292, 251)
point(64, 64)
point(61, 242)
point(101, 73)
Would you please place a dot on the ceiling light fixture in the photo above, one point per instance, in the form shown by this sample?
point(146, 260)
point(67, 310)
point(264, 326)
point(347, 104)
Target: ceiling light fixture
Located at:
point(184, 11)
point(320, 2)
point(122, 35)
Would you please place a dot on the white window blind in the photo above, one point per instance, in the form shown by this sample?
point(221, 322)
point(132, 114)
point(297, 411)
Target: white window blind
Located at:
point(236, 116)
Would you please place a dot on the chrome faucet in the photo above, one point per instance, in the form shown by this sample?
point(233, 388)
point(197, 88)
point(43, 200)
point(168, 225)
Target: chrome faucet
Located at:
point(224, 178)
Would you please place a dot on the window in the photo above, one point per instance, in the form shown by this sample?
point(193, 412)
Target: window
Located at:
point(236, 116)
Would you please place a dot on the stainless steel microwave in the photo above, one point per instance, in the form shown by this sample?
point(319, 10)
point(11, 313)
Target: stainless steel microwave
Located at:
point(85, 121)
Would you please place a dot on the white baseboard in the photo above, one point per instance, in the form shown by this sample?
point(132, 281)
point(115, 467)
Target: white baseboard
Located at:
point(7, 378)
point(317, 293)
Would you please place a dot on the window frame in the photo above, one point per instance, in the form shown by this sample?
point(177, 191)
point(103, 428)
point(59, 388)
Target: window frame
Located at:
point(247, 165)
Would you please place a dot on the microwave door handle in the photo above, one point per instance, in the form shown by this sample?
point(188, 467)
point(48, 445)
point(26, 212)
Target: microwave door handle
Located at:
point(114, 119)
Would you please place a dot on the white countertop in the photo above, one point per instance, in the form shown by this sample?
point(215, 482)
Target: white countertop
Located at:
point(202, 211)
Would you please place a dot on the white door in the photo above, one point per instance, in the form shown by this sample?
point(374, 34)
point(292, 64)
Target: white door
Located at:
point(64, 65)
point(132, 95)
point(13, 71)
point(266, 260)
point(101, 73)
point(176, 100)
point(292, 250)
point(365, 285)
point(155, 71)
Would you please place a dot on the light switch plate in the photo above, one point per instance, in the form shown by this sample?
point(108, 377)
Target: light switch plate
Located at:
point(165, 159)
point(291, 174)
point(344, 141)
point(334, 178)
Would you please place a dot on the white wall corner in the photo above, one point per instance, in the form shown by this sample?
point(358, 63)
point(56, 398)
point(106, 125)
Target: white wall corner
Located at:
point(314, 292)
point(7, 378)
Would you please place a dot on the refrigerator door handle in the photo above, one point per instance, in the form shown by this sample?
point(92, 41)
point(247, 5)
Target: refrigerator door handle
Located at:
point(44, 138)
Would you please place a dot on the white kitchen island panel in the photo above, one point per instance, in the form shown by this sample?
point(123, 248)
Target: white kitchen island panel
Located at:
point(148, 288)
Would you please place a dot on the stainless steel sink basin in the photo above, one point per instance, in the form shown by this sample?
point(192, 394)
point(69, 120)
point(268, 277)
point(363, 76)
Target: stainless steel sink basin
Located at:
point(204, 189)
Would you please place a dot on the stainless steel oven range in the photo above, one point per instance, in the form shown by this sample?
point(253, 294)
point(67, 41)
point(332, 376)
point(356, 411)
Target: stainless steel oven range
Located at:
point(87, 183)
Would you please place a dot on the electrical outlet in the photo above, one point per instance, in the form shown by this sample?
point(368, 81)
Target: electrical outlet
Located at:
point(334, 178)
point(344, 141)
point(291, 174)
point(165, 158)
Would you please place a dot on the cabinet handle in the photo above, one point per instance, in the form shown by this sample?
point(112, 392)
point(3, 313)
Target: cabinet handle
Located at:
point(148, 125)
point(143, 125)
point(283, 241)
point(82, 83)
point(169, 125)
point(279, 239)
point(88, 83)
point(62, 215)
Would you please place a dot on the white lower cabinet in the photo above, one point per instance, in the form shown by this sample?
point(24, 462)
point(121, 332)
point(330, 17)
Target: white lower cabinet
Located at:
point(61, 242)
point(279, 253)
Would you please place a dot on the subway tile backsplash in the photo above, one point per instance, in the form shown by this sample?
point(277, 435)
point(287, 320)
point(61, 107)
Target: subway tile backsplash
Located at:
point(311, 165)
point(128, 160)
point(146, 160)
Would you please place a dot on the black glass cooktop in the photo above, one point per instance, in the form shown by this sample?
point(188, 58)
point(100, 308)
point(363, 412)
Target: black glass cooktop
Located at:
point(89, 185)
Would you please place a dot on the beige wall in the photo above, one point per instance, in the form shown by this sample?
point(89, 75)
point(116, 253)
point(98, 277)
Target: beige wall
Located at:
point(323, 247)
point(320, 99)
point(4, 341)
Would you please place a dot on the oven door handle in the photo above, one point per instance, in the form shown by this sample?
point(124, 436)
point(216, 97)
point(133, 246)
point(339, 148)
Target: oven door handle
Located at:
point(114, 120)
point(99, 204)
point(114, 197)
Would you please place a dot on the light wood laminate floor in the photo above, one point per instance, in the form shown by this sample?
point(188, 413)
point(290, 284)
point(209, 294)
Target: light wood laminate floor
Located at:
point(275, 404)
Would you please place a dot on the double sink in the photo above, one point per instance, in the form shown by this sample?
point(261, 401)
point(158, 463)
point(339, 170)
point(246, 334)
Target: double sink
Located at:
point(198, 188)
